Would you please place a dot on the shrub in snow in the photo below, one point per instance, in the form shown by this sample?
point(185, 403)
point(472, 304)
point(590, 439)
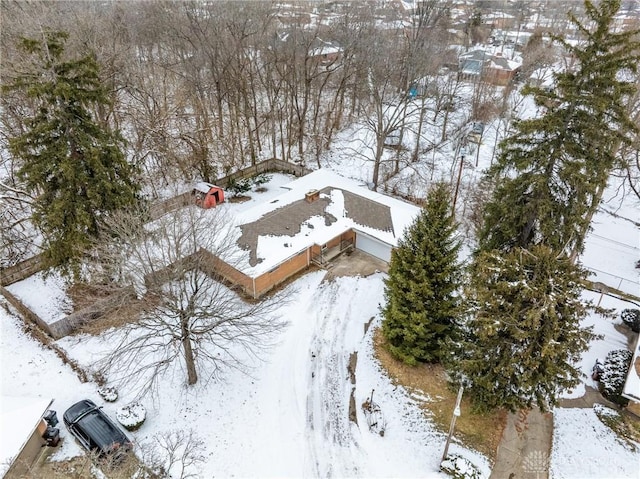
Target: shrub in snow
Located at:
point(109, 394)
point(459, 467)
point(131, 416)
point(239, 187)
point(631, 317)
point(614, 374)
point(260, 180)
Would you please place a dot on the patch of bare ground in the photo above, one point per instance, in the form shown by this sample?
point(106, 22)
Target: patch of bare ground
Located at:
point(128, 312)
point(428, 385)
point(85, 467)
point(83, 295)
point(238, 199)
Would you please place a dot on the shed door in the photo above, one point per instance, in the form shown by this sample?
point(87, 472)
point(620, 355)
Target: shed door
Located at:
point(373, 246)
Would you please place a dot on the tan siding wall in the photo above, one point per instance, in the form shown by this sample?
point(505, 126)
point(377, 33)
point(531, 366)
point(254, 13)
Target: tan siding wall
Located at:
point(30, 452)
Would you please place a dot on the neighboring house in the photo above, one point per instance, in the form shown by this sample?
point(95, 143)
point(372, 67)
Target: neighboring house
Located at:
point(319, 216)
point(21, 429)
point(499, 20)
point(626, 20)
point(325, 53)
point(487, 66)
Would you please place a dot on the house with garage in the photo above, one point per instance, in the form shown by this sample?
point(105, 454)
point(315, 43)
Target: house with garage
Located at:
point(487, 66)
point(316, 218)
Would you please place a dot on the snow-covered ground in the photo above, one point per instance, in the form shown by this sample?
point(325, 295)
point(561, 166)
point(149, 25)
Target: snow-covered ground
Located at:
point(612, 248)
point(45, 296)
point(289, 418)
point(584, 448)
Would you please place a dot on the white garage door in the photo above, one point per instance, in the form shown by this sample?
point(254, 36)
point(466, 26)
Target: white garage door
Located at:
point(373, 246)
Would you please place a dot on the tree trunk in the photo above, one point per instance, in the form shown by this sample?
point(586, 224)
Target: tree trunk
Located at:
point(377, 161)
point(192, 375)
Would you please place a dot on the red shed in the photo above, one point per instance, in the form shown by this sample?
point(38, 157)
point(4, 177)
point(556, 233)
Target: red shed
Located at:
point(208, 195)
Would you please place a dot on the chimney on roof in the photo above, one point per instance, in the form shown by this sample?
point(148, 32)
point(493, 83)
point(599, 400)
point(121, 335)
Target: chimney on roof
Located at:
point(311, 196)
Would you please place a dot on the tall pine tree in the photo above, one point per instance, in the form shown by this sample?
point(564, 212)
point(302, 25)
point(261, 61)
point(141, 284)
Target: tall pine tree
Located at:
point(552, 170)
point(422, 302)
point(522, 337)
point(72, 164)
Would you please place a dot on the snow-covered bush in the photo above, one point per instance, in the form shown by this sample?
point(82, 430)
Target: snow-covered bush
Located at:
point(260, 180)
point(631, 317)
point(109, 394)
point(131, 416)
point(614, 374)
point(460, 467)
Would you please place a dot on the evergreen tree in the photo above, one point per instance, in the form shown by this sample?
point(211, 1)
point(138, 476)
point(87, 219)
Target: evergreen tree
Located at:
point(522, 337)
point(552, 170)
point(422, 303)
point(73, 164)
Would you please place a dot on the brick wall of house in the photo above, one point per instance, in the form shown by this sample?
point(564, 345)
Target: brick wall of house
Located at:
point(268, 280)
point(346, 236)
point(216, 268)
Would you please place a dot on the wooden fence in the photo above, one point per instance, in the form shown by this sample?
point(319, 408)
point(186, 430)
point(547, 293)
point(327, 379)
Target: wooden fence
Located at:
point(266, 166)
point(72, 322)
point(159, 208)
point(24, 311)
point(22, 270)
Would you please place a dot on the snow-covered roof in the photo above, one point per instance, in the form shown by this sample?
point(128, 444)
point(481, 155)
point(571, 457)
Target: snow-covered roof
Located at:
point(502, 63)
point(19, 416)
point(470, 61)
point(203, 187)
point(271, 250)
point(325, 50)
point(631, 388)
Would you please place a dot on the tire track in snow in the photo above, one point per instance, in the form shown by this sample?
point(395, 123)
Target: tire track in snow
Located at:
point(332, 449)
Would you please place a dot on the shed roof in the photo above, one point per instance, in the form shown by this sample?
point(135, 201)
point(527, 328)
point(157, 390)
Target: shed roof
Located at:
point(203, 187)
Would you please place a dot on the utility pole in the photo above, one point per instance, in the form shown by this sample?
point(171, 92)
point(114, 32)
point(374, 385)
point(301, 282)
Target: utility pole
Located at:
point(456, 414)
point(455, 195)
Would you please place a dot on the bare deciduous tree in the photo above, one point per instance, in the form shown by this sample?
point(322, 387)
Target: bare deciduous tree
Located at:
point(180, 264)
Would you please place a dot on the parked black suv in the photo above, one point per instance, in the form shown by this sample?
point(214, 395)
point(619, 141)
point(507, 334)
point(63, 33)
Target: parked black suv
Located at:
point(95, 431)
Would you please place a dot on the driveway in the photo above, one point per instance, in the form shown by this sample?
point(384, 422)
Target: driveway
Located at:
point(355, 263)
